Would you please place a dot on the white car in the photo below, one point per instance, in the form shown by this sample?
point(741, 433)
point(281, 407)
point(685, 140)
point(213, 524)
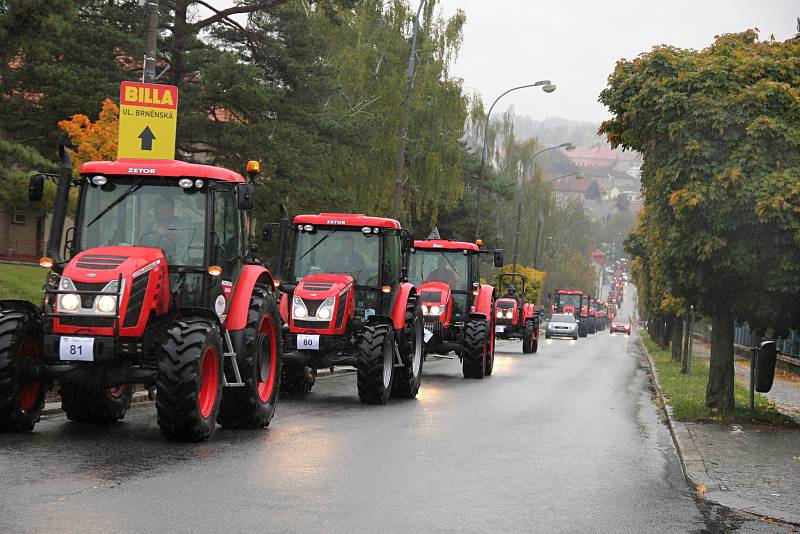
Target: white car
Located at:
point(561, 325)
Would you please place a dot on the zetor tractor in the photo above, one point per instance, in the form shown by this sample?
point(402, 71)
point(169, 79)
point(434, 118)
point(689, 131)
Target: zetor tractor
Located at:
point(568, 301)
point(346, 301)
point(515, 318)
point(592, 314)
point(457, 308)
point(154, 286)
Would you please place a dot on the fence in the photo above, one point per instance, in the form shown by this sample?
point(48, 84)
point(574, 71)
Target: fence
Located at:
point(742, 335)
point(24, 250)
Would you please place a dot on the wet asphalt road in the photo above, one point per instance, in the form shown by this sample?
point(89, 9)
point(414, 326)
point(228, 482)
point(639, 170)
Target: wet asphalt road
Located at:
point(564, 440)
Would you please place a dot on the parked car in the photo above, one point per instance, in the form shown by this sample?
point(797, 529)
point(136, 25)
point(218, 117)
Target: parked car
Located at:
point(562, 325)
point(620, 325)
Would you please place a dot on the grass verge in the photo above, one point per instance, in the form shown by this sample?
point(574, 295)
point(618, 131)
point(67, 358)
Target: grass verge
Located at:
point(686, 394)
point(21, 282)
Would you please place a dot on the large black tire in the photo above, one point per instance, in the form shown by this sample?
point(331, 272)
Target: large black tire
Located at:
point(253, 405)
point(582, 328)
point(21, 394)
point(488, 365)
point(189, 386)
point(473, 360)
point(102, 406)
point(375, 364)
point(406, 381)
point(297, 380)
point(527, 338)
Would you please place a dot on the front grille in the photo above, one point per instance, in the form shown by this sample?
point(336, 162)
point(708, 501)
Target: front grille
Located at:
point(433, 326)
point(430, 296)
point(311, 324)
point(503, 321)
point(317, 286)
point(136, 299)
point(87, 301)
point(99, 262)
point(100, 322)
point(312, 306)
point(340, 314)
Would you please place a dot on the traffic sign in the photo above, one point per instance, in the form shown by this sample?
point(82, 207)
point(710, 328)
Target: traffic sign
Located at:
point(148, 114)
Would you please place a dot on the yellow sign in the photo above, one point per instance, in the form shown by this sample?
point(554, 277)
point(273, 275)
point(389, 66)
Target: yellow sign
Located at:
point(148, 114)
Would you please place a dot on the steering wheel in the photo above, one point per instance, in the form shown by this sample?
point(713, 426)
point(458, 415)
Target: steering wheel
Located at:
point(159, 239)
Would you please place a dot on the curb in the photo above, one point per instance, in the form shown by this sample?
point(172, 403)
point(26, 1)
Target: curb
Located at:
point(693, 465)
point(52, 408)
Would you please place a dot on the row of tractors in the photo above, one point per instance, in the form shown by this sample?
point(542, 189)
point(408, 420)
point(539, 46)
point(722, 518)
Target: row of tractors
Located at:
point(158, 285)
point(592, 315)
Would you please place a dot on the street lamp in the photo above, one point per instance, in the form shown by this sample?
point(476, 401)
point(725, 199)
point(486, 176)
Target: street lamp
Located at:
point(578, 176)
point(566, 146)
point(548, 87)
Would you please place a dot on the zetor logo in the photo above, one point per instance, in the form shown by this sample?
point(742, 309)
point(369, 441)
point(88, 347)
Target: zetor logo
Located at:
point(333, 221)
point(137, 170)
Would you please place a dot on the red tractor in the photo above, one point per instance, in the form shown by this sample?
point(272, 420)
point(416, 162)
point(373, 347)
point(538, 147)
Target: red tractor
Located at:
point(592, 316)
point(347, 302)
point(601, 316)
point(516, 318)
point(458, 309)
point(156, 286)
point(572, 301)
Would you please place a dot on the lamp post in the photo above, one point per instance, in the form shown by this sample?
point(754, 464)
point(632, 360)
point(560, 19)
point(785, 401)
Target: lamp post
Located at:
point(547, 87)
point(406, 113)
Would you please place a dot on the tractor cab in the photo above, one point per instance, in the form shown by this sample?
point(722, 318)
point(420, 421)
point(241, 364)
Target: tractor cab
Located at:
point(456, 306)
point(345, 296)
point(567, 302)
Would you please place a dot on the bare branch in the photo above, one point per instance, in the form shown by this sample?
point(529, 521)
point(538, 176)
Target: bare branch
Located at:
point(235, 10)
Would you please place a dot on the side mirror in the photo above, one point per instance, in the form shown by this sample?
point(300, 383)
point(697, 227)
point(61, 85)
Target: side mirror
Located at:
point(498, 257)
point(266, 232)
point(244, 193)
point(36, 188)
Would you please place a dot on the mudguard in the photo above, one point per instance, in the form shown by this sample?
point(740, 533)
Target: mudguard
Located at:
point(483, 301)
point(399, 305)
point(528, 311)
point(283, 308)
point(242, 291)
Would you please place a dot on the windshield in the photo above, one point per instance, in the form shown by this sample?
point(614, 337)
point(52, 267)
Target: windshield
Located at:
point(137, 213)
point(562, 318)
point(338, 250)
point(569, 300)
point(449, 267)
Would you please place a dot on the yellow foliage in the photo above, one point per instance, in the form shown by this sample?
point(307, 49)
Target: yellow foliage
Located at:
point(534, 280)
point(93, 141)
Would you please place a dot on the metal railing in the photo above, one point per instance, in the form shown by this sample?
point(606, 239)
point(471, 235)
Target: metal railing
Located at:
point(21, 249)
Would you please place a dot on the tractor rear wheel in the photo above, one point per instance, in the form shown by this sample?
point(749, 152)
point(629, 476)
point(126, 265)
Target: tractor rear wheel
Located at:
point(412, 351)
point(259, 360)
point(189, 380)
point(297, 380)
point(375, 364)
point(104, 406)
point(21, 393)
point(488, 365)
point(473, 359)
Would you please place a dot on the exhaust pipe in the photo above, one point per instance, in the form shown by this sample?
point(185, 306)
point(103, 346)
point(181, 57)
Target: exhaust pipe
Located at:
point(60, 205)
point(282, 231)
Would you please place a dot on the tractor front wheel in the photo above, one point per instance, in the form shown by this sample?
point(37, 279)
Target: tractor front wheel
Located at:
point(375, 364)
point(189, 380)
point(473, 361)
point(103, 406)
point(412, 351)
point(488, 365)
point(259, 360)
point(21, 391)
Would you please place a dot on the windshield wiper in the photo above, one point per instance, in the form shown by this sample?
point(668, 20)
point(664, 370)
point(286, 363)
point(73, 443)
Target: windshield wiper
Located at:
point(132, 189)
point(449, 262)
point(326, 236)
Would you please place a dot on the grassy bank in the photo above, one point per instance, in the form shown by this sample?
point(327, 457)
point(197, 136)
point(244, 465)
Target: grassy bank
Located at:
point(687, 393)
point(21, 282)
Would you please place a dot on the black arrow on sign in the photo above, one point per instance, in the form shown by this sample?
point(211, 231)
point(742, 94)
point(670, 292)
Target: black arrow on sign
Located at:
point(147, 138)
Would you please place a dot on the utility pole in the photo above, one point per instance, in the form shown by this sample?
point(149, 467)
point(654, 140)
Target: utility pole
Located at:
point(516, 236)
point(404, 119)
point(151, 40)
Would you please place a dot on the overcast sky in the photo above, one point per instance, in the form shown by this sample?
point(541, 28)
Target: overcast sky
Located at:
point(575, 44)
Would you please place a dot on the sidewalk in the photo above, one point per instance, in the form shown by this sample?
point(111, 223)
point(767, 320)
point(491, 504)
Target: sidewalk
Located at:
point(751, 468)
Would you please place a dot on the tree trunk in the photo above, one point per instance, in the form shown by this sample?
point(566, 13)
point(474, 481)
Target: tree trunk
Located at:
point(719, 393)
point(676, 339)
point(180, 34)
point(666, 335)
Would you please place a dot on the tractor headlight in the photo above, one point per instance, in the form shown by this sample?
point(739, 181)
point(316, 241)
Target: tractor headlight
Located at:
point(107, 304)
point(325, 311)
point(299, 310)
point(436, 310)
point(509, 314)
point(424, 309)
point(69, 302)
point(499, 314)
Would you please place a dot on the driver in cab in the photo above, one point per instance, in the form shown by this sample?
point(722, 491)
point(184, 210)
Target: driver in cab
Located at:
point(348, 260)
point(442, 273)
point(164, 232)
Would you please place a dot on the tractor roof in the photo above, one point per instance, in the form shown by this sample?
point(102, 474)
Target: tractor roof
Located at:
point(446, 244)
point(567, 292)
point(346, 219)
point(155, 167)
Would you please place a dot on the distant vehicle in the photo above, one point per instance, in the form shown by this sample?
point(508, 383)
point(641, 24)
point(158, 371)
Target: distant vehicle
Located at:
point(562, 325)
point(620, 325)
